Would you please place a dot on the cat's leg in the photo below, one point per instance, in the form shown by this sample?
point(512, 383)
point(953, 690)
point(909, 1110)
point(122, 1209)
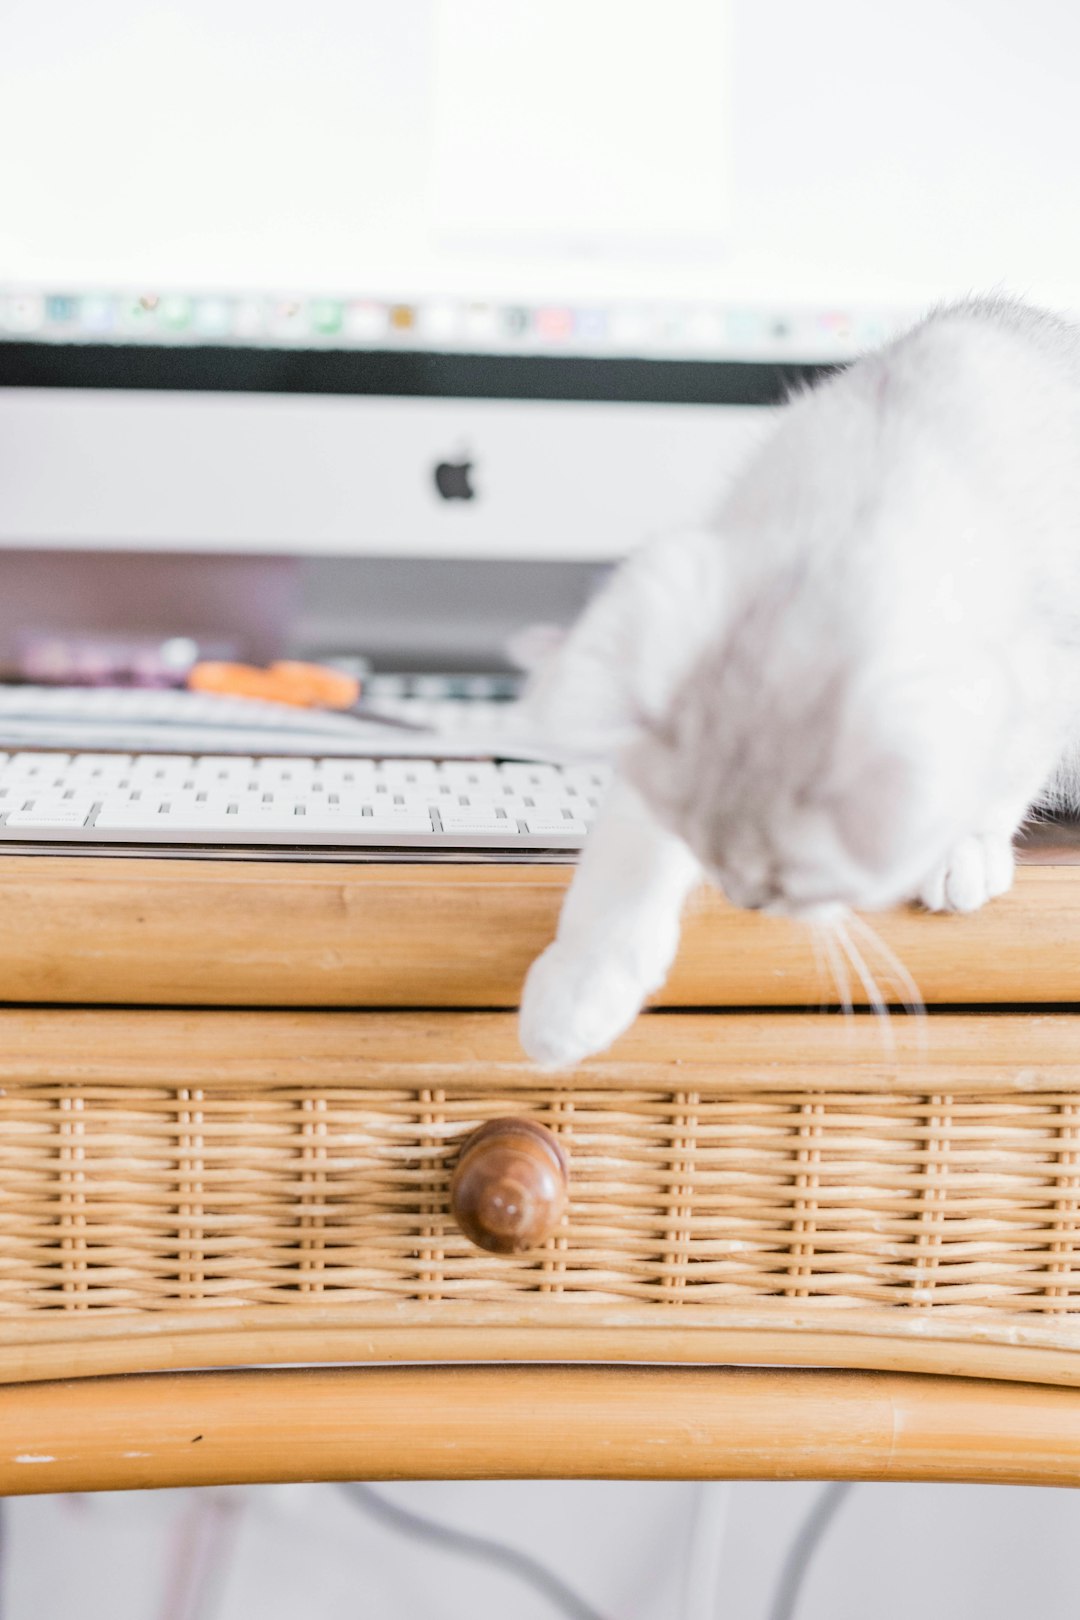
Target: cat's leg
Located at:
point(977, 869)
point(617, 934)
point(981, 866)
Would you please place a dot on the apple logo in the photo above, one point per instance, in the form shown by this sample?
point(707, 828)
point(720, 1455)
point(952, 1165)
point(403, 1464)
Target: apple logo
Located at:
point(453, 480)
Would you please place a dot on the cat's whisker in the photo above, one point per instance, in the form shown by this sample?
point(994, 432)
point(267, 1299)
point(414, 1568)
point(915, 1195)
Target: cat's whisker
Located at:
point(873, 993)
point(912, 1003)
point(869, 984)
point(911, 996)
point(838, 966)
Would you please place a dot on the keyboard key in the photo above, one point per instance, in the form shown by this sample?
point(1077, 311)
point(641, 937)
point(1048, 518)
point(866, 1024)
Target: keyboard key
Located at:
point(120, 816)
point(527, 777)
point(560, 824)
point(56, 815)
point(592, 777)
point(29, 760)
point(408, 772)
point(29, 775)
point(548, 803)
point(153, 771)
point(297, 772)
point(218, 764)
point(474, 817)
point(347, 773)
point(468, 775)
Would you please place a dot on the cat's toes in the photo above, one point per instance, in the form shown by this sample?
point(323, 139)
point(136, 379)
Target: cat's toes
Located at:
point(976, 870)
point(572, 1008)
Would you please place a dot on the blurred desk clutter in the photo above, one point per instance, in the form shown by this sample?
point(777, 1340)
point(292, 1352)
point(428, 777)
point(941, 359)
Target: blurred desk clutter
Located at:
point(426, 764)
point(449, 717)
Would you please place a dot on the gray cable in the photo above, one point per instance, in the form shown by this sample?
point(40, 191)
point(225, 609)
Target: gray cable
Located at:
point(800, 1554)
point(496, 1553)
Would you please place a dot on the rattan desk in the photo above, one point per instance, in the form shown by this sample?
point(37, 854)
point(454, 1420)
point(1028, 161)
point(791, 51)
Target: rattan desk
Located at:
point(231, 1095)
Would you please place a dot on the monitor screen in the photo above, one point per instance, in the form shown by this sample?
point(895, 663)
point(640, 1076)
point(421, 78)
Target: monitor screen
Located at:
point(484, 276)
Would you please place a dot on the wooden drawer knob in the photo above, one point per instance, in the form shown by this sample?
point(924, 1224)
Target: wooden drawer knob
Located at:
point(509, 1188)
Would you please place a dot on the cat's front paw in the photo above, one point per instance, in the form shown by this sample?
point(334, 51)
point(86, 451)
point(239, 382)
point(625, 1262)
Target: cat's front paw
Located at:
point(571, 1008)
point(976, 870)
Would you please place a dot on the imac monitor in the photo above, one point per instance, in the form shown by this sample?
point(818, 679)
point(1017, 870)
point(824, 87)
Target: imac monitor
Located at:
point(483, 279)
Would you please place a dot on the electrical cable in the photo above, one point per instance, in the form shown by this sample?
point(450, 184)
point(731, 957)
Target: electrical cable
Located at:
point(800, 1554)
point(222, 1532)
point(183, 1557)
point(496, 1553)
point(201, 1556)
point(705, 1549)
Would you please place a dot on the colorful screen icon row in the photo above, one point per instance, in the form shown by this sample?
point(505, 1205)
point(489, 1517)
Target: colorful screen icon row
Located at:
point(455, 325)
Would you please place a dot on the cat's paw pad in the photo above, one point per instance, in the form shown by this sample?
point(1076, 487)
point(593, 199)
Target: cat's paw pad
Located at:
point(976, 870)
point(571, 1008)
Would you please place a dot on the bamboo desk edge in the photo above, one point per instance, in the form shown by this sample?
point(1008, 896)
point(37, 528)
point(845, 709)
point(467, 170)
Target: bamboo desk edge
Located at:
point(525, 1422)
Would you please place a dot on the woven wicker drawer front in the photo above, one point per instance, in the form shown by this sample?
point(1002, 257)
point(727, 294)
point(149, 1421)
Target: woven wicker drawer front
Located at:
point(167, 1162)
point(121, 1198)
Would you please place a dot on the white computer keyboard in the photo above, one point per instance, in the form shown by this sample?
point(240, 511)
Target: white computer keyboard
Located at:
point(215, 799)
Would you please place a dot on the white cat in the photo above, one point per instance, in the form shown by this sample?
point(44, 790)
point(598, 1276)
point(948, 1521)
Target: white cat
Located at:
point(850, 688)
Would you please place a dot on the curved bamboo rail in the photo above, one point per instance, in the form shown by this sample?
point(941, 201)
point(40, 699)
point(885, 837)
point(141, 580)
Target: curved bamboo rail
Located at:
point(265, 1426)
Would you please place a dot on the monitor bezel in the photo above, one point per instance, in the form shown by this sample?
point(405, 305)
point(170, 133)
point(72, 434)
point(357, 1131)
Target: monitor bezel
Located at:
point(218, 368)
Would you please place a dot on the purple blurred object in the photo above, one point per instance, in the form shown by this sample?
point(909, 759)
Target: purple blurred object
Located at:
point(242, 605)
point(68, 659)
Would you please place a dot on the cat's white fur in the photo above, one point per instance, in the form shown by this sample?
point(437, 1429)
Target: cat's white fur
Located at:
point(850, 688)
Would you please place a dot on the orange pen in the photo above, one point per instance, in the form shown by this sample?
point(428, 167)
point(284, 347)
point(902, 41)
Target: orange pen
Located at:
point(305, 686)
